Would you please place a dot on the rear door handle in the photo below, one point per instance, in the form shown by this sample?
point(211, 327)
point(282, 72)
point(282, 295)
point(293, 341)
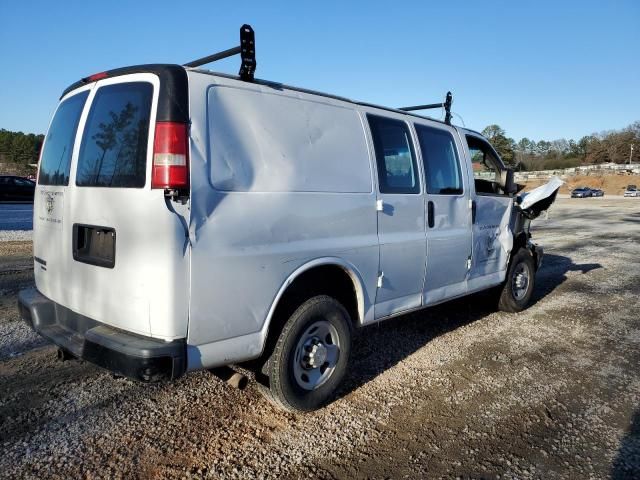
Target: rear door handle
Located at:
point(473, 212)
point(430, 214)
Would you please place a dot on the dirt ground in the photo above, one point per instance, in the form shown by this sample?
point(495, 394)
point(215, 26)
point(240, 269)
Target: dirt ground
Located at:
point(610, 184)
point(456, 391)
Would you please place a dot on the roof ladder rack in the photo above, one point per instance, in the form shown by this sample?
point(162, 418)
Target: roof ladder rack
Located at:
point(446, 105)
point(246, 49)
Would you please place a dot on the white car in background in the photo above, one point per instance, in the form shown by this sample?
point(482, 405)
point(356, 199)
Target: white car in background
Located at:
point(632, 191)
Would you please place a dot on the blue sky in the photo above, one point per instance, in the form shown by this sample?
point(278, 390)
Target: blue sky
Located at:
point(544, 69)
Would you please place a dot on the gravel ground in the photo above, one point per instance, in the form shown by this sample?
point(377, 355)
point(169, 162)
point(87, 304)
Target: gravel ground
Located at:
point(454, 391)
point(16, 235)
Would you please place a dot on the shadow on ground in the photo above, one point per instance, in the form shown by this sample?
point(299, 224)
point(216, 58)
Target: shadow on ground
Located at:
point(626, 465)
point(380, 347)
point(553, 272)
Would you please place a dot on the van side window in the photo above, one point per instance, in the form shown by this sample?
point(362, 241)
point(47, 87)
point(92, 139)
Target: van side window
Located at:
point(441, 165)
point(58, 146)
point(113, 152)
point(397, 169)
point(486, 167)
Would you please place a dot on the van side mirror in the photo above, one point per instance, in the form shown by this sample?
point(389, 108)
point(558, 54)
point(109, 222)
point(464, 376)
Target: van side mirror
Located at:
point(507, 182)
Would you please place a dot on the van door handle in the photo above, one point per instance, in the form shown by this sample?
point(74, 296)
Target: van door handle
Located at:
point(430, 214)
point(473, 212)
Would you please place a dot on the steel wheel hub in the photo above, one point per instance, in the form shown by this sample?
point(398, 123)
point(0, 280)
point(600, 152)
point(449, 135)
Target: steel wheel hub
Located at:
point(520, 282)
point(316, 355)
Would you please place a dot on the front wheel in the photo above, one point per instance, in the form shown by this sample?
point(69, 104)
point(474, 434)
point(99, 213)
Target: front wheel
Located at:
point(311, 355)
point(518, 286)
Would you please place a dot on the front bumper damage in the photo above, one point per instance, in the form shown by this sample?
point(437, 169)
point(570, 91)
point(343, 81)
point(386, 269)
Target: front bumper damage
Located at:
point(137, 357)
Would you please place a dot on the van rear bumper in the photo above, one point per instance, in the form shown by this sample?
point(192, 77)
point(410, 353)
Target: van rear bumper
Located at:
point(134, 356)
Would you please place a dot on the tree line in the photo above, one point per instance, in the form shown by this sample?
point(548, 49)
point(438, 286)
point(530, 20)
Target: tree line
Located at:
point(20, 148)
point(526, 154)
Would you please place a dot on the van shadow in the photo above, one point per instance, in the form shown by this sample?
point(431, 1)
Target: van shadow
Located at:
point(380, 347)
point(626, 464)
point(553, 272)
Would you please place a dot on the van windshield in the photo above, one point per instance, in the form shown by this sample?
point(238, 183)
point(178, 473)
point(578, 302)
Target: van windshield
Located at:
point(58, 146)
point(113, 152)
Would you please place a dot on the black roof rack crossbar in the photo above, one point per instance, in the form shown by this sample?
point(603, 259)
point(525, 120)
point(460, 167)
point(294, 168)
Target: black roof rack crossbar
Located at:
point(246, 49)
point(446, 105)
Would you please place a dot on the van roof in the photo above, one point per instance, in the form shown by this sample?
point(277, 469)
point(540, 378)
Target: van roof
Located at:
point(170, 75)
point(279, 85)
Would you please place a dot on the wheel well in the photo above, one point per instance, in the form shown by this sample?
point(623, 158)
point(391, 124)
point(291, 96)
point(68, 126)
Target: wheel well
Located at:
point(331, 280)
point(520, 241)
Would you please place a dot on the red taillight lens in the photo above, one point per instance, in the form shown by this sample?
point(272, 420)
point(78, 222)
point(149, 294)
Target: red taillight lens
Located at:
point(170, 156)
point(97, 76)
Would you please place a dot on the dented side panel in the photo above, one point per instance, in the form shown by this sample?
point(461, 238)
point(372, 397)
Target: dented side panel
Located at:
point(491, 232)
point(492, 235)
point(258, 212)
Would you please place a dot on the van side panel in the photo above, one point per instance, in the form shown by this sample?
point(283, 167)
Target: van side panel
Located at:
point(275, 142)
point(278, 180)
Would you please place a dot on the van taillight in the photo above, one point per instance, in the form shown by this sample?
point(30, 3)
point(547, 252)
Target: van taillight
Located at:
point(170, 156)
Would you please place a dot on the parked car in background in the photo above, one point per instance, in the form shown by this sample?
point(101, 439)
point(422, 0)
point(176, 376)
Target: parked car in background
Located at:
point(16, 189)
point(632, 191)
point(596, 192)
point(581, 192)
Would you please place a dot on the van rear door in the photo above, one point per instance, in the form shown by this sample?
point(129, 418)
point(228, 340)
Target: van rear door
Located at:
point(106, 244)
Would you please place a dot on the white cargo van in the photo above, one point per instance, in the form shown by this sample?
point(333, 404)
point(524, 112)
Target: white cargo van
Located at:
point(187, 220)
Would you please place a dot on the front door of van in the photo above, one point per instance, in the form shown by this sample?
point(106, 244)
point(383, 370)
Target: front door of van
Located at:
point(448, 215)
point(491, 235)
point(401, 218)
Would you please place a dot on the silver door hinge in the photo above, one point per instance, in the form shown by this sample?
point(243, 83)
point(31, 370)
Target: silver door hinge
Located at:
point(379, 206)
point(469, 263)
point(380, 278)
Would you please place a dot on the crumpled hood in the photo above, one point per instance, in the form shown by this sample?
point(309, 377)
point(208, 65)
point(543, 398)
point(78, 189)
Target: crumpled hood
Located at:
point(539, 199)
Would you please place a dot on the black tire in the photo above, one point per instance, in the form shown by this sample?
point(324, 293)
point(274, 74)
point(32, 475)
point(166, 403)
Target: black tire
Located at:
point(283, 388)
point(513, 299)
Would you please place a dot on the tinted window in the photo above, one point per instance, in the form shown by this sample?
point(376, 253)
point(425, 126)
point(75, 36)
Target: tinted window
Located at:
point(113, 152)
point(441, 165)
point(397, 172)
point(58, 145)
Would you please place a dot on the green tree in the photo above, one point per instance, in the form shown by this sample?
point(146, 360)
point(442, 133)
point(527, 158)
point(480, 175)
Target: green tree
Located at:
point(504, 146)
point(16, 147)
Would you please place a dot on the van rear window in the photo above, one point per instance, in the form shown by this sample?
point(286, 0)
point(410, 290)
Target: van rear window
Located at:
point(113, 152)
point(58, 146)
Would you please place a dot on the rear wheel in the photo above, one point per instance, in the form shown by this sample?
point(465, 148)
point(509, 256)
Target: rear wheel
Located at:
point(518, 287)
point(310, 357)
